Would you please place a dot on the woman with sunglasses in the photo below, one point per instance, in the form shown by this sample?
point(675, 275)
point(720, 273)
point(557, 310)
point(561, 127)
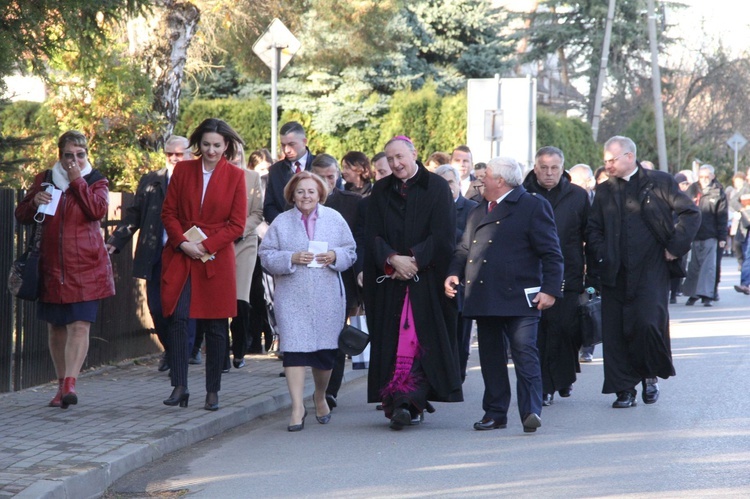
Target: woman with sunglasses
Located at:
point(74, 267)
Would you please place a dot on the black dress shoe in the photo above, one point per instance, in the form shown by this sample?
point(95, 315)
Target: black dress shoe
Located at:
point(401, 417)
point(547, 399)
point(238, 363)
point(488, 423)
point(565, 392)
point(531, 422)
point(331, 401)
point(691, 301)
point(650, 391)
point(624, 400)
point(180, 396)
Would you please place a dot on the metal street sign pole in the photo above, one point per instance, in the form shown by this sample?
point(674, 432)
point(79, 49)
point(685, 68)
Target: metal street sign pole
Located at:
point(274, 100)
point(276, 47)
point(736, 142)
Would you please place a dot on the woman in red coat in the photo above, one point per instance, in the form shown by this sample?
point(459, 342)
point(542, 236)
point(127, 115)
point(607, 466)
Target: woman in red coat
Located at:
point(74, 267)
point(198, 277)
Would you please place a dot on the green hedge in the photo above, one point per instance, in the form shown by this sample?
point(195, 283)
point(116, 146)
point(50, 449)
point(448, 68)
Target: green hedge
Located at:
point(251, 118)
point(435, 122)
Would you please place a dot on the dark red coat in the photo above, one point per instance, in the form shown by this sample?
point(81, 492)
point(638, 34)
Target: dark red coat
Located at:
point(74, 265)
point(222, 219)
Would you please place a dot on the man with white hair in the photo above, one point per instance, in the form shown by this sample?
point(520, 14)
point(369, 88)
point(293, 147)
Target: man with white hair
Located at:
point(144, 215)
point(510, 260)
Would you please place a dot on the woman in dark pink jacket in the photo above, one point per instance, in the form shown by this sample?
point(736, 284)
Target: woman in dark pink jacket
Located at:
point(75, 270)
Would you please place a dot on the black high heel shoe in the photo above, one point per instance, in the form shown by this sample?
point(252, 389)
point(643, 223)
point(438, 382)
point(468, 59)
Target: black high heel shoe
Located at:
point(321, 419)
point(180, 396)
point(298, 427)
point(212, 401)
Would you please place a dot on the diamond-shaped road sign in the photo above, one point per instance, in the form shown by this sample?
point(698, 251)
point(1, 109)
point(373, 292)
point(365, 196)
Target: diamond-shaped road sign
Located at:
point(737, 141)
point(276, 36)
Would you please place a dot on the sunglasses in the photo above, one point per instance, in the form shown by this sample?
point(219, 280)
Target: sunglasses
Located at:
point(176, 154)
point(70, 155)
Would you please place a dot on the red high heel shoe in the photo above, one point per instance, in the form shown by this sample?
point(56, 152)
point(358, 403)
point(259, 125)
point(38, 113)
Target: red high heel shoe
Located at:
point(69, 395)
point(57, 400)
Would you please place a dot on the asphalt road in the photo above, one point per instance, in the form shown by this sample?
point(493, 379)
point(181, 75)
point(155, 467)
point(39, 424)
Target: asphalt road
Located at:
point(695, 442)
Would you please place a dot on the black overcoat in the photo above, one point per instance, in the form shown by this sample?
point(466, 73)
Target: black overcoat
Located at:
point(502, 252)
point(422, 225)
point(635, 285)
point(144, 215)
point(571, 208)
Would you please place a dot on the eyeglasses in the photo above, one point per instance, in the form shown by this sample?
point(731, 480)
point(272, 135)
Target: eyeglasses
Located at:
point(612, 160)
point(176, 154)
point(70, 155)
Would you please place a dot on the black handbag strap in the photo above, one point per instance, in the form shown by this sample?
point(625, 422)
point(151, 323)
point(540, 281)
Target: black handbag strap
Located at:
point(35, 241)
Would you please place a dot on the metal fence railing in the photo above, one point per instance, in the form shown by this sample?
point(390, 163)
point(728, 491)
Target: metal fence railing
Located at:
point(123, 329)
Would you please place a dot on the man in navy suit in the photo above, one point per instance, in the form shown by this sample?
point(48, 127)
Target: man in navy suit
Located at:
point(463, 207)
point(297, 157)
point(509, 248)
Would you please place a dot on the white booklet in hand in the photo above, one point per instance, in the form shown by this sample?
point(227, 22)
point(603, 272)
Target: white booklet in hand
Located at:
point(195, 235)
point(51, 207)
point(531, 294)
point(316, 247)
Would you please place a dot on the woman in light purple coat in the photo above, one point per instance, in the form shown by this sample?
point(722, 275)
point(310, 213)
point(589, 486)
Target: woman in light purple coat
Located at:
point(305, 248)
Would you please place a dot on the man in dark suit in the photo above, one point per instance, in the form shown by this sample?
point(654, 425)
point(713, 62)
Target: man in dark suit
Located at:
point(463, 207)
point(462, 161)
point(297, 157)
point(144, 215)
point(346, 203)
point(509, 251)
point(640, 222)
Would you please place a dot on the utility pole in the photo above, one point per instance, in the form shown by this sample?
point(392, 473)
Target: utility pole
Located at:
point(661, 141)
point(602, 69)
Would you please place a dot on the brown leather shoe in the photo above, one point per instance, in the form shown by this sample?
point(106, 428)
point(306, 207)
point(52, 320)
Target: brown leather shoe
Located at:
point(742, 289)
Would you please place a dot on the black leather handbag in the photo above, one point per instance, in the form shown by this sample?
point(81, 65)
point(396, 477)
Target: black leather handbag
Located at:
point(590, 314)
point(352, 340)
point(23, 279)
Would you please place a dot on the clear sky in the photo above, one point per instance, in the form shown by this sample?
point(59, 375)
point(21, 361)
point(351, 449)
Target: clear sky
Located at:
point(705, 22)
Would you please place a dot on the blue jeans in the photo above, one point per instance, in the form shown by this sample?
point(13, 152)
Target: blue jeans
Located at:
point(745, 270)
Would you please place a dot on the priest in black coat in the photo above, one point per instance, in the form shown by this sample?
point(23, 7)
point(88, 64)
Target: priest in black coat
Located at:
point(640, 224)
point(409, 240)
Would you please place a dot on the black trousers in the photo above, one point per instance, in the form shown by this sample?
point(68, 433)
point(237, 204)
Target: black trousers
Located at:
point(216, 332)
point(240, 329)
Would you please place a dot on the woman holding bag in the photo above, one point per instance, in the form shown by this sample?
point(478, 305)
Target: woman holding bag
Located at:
point(74, 267)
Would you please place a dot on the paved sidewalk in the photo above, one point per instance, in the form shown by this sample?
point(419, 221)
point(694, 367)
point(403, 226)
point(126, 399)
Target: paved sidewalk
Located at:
point(120, 424)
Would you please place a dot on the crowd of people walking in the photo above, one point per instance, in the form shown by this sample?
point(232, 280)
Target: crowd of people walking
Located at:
point(423, 250)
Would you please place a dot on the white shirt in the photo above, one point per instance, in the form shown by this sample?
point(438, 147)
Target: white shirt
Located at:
point(206, 180)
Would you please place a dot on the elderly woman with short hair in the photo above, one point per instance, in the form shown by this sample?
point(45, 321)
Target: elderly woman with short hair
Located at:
point(310, 302)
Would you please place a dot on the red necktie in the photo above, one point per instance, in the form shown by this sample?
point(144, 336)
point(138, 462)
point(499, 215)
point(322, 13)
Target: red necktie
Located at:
point(298, 169)
point(491, 206)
